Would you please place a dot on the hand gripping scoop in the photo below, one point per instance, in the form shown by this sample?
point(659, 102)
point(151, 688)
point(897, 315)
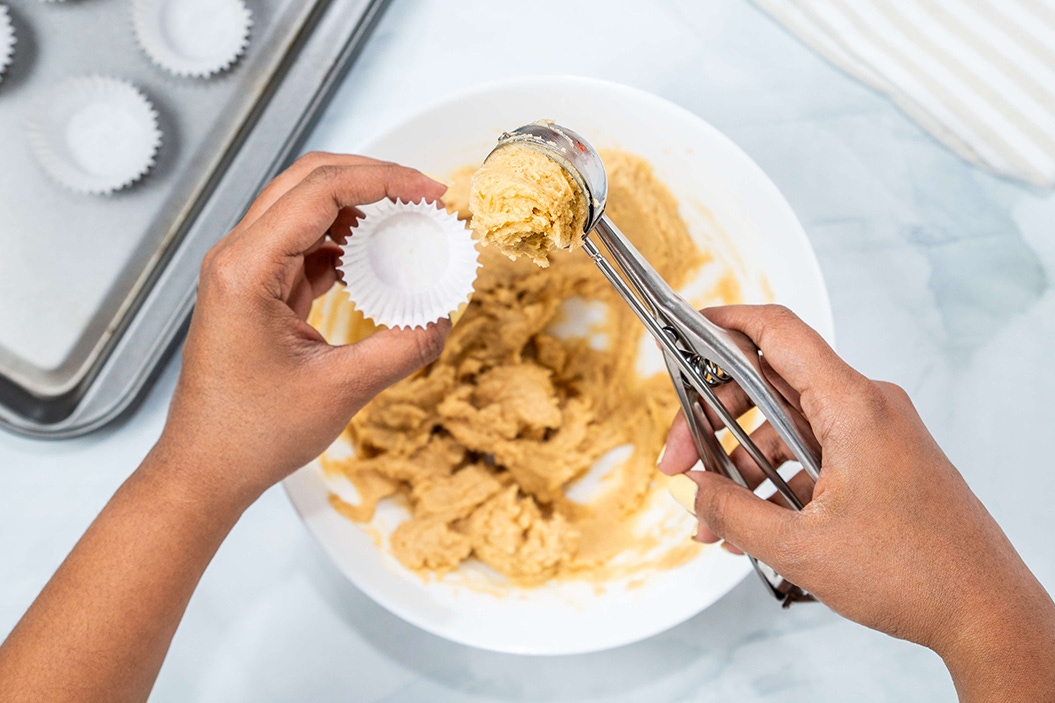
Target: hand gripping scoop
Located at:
point(700, 355)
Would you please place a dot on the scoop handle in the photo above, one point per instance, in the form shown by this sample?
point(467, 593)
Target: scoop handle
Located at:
point(707, 355)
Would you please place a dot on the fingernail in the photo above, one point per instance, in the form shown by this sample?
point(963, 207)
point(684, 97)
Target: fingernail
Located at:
point(684, 491)
point(662, 453)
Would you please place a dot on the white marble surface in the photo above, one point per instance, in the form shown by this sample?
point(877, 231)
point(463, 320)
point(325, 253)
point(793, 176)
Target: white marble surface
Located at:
point(939, 277)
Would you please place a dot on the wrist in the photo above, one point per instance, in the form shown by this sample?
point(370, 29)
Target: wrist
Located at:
point(1007, 649)
point(197, 477)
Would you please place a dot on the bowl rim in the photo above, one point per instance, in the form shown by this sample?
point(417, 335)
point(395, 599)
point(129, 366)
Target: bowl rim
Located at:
point(825, 326)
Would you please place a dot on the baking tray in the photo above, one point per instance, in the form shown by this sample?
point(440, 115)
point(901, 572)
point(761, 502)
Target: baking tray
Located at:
point(95, 290)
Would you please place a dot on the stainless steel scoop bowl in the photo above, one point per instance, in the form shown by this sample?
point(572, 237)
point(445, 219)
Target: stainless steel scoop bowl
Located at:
point(700, 355)
point(574, 154)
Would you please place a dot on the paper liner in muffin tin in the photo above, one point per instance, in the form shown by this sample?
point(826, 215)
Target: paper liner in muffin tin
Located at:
point(192, 38)
point(7, 40)
point(94, 134)
point(408, 264)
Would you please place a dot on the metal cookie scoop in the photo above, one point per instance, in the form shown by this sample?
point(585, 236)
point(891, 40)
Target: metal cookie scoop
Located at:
point(699, 354)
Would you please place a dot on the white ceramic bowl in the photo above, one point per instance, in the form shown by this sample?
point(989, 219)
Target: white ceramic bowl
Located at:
point(731, 207)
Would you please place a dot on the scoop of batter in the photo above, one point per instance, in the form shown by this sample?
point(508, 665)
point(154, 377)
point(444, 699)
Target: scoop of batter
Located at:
point(525, 205)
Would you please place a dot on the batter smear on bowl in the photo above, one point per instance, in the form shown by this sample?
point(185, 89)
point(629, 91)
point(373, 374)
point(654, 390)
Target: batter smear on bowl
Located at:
point(482, 445)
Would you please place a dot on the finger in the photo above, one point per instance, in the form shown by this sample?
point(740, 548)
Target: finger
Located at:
point(801, 485)
point(773, 449)
point(679, 453)
point(736, 515)
point(777, 453)
point(320, 268)
point(704, 534)
point(299, 298)
point(387, 356)
point(297, 172)
point(346, 219)
point(315, 278)
point(310, 208)
point(732, 397)
point(783, 387)
point(736, 402)
point(794, 350)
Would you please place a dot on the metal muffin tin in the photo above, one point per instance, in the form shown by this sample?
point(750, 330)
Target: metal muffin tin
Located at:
point(94, 291)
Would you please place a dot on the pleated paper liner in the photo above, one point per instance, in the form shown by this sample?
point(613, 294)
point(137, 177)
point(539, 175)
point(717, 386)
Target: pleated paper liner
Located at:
point(192, 38)
point(408, 264)
point(94, 134)
point(7, 40)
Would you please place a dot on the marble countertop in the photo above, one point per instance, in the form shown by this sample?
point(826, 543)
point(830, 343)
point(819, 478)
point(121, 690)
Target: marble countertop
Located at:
point(940, 280)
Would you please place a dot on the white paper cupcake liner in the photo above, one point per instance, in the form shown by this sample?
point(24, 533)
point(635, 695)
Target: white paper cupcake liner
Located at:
point(7, 40)
point(94, 134)
point(192, 38)
point(408, 264)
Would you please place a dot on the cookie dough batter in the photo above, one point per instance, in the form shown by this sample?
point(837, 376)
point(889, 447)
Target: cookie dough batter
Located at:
point(524, 204)
point(482, 445)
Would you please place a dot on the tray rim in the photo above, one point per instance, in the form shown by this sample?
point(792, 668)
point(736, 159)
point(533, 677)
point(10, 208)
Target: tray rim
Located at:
point(264, 143)
point(70, 378)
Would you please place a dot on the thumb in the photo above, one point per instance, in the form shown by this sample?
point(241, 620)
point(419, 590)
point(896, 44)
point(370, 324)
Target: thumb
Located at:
point(385, 357)
point(735, 514)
